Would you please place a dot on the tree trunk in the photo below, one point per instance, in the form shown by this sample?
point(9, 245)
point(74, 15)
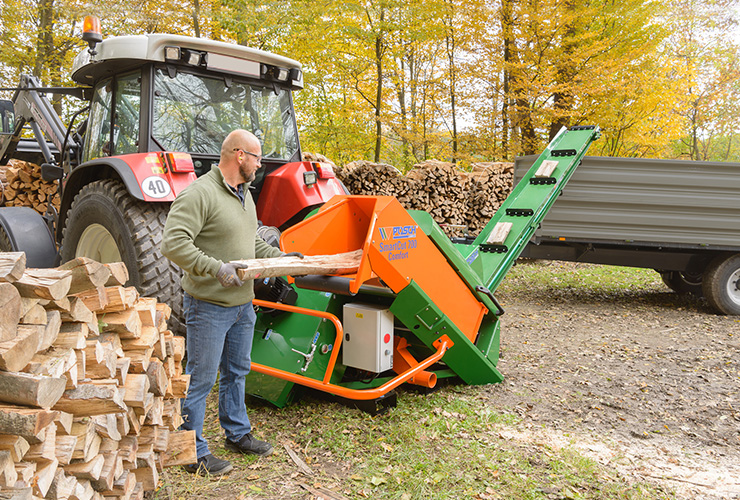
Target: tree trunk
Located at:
point(507, 30)
point(452, 71)
point(196, 18)
point(563, 97)
point(379, 90)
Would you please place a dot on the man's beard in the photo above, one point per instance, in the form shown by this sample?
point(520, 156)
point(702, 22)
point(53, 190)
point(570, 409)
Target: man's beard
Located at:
point(247, 176)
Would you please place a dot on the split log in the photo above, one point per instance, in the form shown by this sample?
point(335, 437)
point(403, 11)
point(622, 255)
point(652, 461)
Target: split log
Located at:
point(53, 362)
point(88, 440)
point(26, 471)
point(72, 336)
point(35, 315)
point(8, 474)
point(17, 494)
point(146, 340)
point(119, 298)
point(15, 445)
point(147, 476)
point(118, 274)
point(344, 263)
point(123, 486)
point(83, 491)
point(78, 311)
point(64, 422)
point(137, 387)
point(90, 399)
point(180, 449)
point(45, 472)
point(51, 330)
point(87, 470)
point(180, 386)
point(107, 426)
point(12, 266)
point(61, 487)
point(147, 308)
point(16, 353)
point(46, 449)
point(107, 473)
point(10, 311)
point(126, 323)
point(31, 390)
point(25, 422)
point(86, 273)
point(157, 377)
point(65, 448)
point(49, 284)
point(96, 299)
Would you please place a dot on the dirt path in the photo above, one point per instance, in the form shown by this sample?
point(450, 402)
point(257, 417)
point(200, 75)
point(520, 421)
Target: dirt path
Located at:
point(646, 382)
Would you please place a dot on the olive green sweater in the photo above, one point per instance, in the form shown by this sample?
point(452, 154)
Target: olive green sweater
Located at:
point(208, 226)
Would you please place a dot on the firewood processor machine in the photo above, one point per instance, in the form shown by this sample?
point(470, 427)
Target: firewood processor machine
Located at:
point(419, 309)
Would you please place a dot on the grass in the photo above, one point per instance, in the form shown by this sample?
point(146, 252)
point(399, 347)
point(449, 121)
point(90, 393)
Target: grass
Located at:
point(449, 444)
point(579, 278)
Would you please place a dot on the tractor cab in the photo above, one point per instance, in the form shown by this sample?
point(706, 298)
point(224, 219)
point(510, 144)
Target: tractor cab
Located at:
point(163, 92)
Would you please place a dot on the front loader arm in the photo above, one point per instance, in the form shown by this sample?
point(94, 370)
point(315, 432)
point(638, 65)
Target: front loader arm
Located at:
point(32, 107)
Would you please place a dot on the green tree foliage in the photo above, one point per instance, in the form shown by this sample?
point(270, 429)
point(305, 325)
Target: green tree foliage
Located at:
point(707, 64)
point(460, 80)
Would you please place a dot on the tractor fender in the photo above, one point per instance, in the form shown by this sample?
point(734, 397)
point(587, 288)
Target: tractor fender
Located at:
point(28, 232)
point(145, 176)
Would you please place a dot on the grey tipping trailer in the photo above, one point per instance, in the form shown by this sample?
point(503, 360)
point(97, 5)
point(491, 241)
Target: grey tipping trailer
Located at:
point(681, 218)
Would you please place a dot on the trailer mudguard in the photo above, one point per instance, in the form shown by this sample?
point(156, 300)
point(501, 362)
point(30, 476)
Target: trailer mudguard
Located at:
point(28, 232)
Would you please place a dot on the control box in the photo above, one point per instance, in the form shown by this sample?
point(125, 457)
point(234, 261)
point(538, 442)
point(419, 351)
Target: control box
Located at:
point(368, 337)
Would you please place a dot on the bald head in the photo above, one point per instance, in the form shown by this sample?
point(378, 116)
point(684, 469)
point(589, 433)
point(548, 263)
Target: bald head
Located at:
point(239, 139)
point(240, 157)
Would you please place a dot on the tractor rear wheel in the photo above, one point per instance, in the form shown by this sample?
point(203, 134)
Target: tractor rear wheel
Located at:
point(107, 224)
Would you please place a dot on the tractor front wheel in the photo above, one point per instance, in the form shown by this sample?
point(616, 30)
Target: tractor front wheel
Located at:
point(107, 224)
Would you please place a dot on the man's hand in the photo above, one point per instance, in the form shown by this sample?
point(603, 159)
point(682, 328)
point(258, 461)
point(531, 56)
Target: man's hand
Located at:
point(293, 254)
point(228, 276)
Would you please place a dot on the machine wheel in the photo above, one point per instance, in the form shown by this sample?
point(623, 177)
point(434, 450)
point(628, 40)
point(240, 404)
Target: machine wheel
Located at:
point(107, 224)
point(722, 284)
point(683, 283)
point(5, 244)
point(23, 229)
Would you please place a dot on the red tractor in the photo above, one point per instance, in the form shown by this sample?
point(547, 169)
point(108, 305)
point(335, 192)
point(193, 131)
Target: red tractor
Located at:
point(157, 108)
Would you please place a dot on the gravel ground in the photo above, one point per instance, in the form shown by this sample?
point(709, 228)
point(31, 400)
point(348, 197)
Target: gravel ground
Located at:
point(644, 381)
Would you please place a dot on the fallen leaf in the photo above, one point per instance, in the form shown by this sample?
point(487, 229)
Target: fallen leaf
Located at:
point(377, 481)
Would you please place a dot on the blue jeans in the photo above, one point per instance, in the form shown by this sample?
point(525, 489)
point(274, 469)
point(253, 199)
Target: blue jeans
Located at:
point(217, 337)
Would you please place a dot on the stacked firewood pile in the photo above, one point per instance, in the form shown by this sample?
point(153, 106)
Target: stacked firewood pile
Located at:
point(22, 186)
point(90, 384)
point(454, 198)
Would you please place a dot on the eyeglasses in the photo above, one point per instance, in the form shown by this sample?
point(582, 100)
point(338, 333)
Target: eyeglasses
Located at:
point(257, 157)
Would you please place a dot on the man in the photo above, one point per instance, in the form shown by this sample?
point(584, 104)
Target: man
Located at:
point(212, 222)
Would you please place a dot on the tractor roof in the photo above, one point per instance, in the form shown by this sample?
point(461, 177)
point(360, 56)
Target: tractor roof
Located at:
point(117, 54)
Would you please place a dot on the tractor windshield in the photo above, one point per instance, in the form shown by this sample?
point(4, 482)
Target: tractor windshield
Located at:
point(194, 113)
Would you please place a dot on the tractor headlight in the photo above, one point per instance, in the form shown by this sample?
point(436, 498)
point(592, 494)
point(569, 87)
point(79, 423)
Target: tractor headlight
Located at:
point(172, 53)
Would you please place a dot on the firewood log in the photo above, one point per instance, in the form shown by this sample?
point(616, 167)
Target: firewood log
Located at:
point(10, 311)
point(32, 390)
point(12, 266)
point(345, 263)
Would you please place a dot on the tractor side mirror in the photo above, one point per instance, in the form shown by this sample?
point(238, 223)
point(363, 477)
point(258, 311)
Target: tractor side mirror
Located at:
point(7, 117)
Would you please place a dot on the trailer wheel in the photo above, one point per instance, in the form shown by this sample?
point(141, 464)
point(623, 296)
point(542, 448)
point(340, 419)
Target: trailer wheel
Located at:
point(107, 224)
point(722, 284)
point(683, 283)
